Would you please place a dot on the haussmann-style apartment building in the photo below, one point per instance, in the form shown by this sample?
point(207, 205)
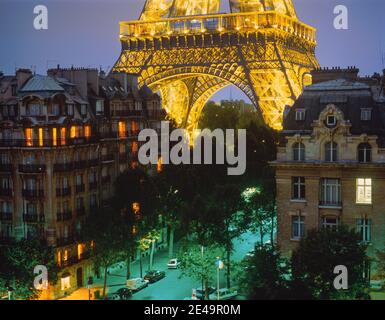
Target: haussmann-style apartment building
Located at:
point(64, 138)
point(330, 166)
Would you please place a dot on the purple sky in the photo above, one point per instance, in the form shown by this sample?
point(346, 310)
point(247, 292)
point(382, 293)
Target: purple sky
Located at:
point(85, 33)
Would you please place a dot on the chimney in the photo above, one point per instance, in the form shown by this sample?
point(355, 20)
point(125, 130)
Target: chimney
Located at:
point(22, 75)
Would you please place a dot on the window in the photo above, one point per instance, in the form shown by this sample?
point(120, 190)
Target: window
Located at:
point(364, 191)
point(364, 153)
point(300, 114)
point(79, 180)
point(366, 114)
point(364, 228)
point(83, 109)
point(99, 107)
point(331, 192)
point(66, 282)
point(87, 131)
point(41, 139)
point(29, 137)
point(54, 137)
point(298, 188)
point(34, 110)
point(122, 129)
point(298, 227)
point(330, 223)
point(331, 152)
point(70, 109)
point(55, 110)
point(331, 120)
point(299, 152)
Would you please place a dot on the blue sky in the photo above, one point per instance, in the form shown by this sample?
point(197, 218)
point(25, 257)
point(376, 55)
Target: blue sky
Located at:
point(85, 33)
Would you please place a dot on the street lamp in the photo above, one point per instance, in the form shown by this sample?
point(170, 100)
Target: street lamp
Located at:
point(220, 265)
point(10, 290)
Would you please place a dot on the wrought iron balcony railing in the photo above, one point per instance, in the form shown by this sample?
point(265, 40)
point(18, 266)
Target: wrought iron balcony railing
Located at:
point(33, 218)
point(34, 193)
point(65, 192)
point(6, 216)
point(217, 23)
point(6, 192)
point(32, 168)
point(6, 167)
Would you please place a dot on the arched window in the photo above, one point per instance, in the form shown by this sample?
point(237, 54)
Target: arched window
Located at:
point(331, 152)
point(364, 152)
point(298, 152)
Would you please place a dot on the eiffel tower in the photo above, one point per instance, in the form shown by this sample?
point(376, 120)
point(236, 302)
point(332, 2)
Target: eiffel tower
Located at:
point(187, 50)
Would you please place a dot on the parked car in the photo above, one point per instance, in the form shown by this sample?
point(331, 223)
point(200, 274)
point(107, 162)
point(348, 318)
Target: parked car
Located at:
point(136, 284)
point(224, 294)
point(154, 276)
point(124, 293)
point(112, 296)
point(201, 292)
point(173, 264)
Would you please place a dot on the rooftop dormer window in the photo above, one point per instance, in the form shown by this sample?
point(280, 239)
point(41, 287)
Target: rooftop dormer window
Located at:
point(300, 115)
point(366, 114)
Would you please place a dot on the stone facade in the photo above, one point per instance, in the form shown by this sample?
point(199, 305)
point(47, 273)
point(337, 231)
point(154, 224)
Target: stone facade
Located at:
point(331, 160)
point(64, 138)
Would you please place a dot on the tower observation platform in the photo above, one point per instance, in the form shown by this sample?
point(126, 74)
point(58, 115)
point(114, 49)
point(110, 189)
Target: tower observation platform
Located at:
point(187, 50)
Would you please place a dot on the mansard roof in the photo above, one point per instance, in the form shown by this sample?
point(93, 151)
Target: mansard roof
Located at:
point(348, 96)
point(40, 83)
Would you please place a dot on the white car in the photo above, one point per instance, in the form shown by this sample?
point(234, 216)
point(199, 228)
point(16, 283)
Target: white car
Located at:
point(224, 294)
point(136, 284)
point(173, 264)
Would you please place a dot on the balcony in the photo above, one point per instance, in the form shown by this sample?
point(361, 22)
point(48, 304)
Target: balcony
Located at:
point(32, 168)
point(76, 259)
point(33, 218)
point(33, 194)
point(78, 165)
point(65, 192)
point(65, 241)
point(80, 212)
point(127, 113)
point(6, 216)
point(22, 143)
point(6, 167)
point(93, 186)
point(80, 188)
point(156, 114)
point(93, 162)
point(123, 157)
point(217, 24)
point(108, 158)
point(63, 167)
point(6, 192)
point(64, 216)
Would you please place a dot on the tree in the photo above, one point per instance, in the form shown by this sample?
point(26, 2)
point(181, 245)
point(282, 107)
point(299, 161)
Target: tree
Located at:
point(136, 200)
point(108, 229)
point(17, 263)
point(198, 262)
point(265, 276)
point(261, 209)
point(317, 255)
point(221, 218)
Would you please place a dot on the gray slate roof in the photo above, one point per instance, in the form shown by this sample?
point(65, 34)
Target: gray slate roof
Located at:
point(40, 83)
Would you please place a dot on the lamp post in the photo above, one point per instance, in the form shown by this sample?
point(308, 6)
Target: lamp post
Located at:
point(203, 288)
point(220, 265)
point(10, 290)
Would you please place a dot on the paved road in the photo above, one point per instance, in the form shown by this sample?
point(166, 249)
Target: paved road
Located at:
point(172, 287)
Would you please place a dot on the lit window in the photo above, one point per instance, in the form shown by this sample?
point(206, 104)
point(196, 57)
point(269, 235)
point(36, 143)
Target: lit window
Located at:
point(159, 166)
point(66, 282)
point(364, 152)
point(80, 251)
point(122, 129)
point(330, 223)
point(63, 136)
point(299, 152)
point(298, 227)
point(134, 127)
point(366, 114)
point(54, 137)
point(87, 131)
point(331, 152)
point(65, 257)
point(59, 258)
point(364, 228)
point(298, 188)
point(28, 137)
point(300, 114)
point(135, 147)
point(364, 191)
point(136, 207)
point(73, 132)
point(40, 137)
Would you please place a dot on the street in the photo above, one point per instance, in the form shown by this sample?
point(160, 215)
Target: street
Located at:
point(172, 287)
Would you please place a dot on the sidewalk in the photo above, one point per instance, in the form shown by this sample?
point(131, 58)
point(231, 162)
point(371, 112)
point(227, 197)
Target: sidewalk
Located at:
point(116, 279)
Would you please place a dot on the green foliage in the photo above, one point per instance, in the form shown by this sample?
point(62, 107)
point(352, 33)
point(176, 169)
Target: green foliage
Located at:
point(317, 255)
point(264, 275)
point(17, 263)
point(197, 265)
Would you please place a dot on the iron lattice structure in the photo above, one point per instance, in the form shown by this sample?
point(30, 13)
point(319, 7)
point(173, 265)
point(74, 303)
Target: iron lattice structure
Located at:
point(187, 51)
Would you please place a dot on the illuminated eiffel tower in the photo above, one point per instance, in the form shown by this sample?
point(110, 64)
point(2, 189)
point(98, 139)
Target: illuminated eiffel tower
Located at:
point(187, 50)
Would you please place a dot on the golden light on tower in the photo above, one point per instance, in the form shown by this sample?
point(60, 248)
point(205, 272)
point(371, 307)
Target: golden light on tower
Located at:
point(187, 51)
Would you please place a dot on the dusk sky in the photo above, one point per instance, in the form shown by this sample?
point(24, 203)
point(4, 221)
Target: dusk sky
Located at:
point(85, 33)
